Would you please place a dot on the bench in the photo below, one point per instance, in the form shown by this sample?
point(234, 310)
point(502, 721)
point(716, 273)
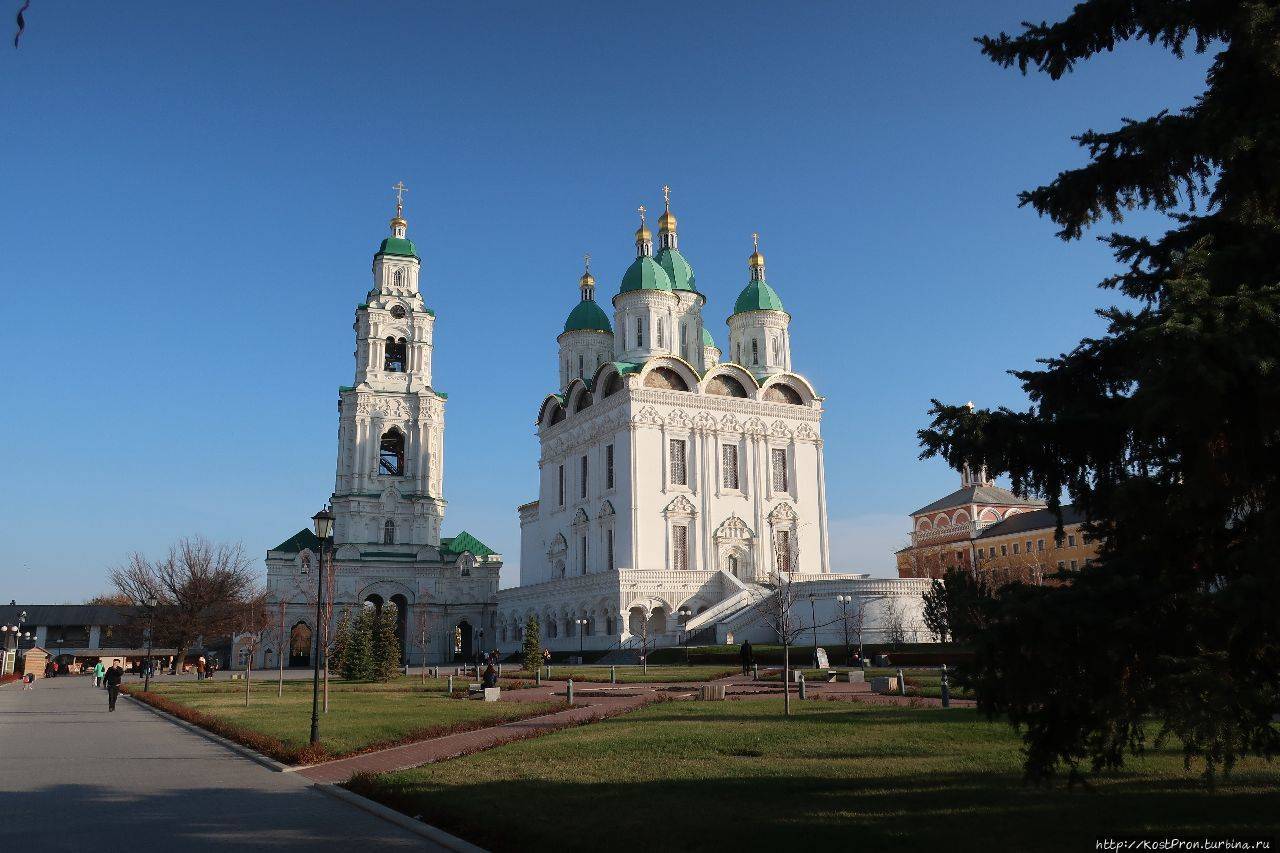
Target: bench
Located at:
point(489, 694)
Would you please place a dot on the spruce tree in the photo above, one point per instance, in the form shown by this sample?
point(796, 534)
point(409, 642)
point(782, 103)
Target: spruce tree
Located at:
point(385, 657)
point(532, 645)
point(341, 642)
point(1164, 431)
point(357, 660)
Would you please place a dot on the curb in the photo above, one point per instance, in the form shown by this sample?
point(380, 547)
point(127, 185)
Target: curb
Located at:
point(417, 827)
point(257, 757)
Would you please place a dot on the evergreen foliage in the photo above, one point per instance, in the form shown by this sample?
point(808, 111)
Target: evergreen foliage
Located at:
point(532, 652)
point(357, 657)
point(341, 642)
point(385, 647)
point(1165, 431)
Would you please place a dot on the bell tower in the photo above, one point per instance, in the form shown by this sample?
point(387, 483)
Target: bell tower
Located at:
point(389, 485)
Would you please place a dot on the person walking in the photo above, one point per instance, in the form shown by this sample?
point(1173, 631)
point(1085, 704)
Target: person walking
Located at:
point(200, 669)
point(98, 671)
point(113, 676)
point(28, 680)
point(748, 657)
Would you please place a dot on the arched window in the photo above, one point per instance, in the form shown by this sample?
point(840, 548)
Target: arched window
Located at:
point(755, 351)
point(733, 565)
point(781, 393)
point(725, 386)
point(662, 333)
point(397, 278)
point(395, 357)
point(391, 454)
point(777, 351)
point(389, 532)
point(666, 378)
point(579, 367)
point(738, 348)
point(639, 332)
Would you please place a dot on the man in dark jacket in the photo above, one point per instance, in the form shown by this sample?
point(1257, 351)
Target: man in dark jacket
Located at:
point(113, 676)
point(747, 657)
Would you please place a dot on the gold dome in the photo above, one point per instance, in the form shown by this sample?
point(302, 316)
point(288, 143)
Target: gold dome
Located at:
point(399, 220)
point(667, 222)
point(756, 259)
point(643, 233)
point(587, 280)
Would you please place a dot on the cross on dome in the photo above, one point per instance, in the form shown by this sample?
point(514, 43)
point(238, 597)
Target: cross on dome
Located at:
point(400, 189)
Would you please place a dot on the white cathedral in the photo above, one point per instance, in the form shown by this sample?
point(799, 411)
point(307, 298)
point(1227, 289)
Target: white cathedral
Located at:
point(675, 477)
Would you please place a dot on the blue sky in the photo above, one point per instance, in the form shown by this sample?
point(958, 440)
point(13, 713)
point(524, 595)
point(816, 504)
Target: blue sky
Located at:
point(191, 193)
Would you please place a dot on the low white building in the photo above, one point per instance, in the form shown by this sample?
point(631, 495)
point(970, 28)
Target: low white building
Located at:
point(673, 484)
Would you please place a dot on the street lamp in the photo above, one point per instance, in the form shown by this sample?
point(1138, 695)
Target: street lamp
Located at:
point(845, 601)
point(150, 604)
point(323, 521)
point(582, 626)
point(684, 614)
point(813, 618)
point(479, 649)
point(14, 631)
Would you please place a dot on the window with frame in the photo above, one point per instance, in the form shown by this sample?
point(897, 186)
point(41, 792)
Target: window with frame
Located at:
point(778, 457)
point(1074, 565)
point(306, 564)
point(680, 547)
point(1071, 541)
point(755, 351)
point(1062, 564)
point(777, 356)
point(389, 532)
point(579, 367)
point(394, 356)
point(639, 331)
point(1039, 545)
point(582, 479)
point(679, 464)
point(608, 466)
point(561, 482)
point(608, 547)
point(1016, 547)
point(583, 555)
point(1004, 550)
point(782, 542)
point(662, 336)
point(729, 466)
point(391, 454)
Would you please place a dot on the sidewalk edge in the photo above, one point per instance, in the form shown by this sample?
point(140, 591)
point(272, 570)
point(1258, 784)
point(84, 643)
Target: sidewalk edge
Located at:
point(269, 763)
point(425, 830)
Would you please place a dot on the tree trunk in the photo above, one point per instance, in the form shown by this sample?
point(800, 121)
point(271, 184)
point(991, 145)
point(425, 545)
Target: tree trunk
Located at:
point(248, 675)
point(179, 659)
point(786, 678)
point(326, 685)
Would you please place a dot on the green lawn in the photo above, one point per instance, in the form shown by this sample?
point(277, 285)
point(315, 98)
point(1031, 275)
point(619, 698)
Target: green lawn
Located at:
point(636, 674)
point(838, 776)
point(360, 714)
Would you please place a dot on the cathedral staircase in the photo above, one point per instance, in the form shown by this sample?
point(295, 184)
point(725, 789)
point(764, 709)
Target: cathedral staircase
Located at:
point(710, 626)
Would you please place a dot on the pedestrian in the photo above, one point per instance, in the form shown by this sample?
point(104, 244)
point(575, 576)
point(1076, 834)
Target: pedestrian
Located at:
point(98, 671)
point(747, 656)
point(113, 676)
point(200, 668)
point(490, 678)
point(546, 658)
point(28, 680)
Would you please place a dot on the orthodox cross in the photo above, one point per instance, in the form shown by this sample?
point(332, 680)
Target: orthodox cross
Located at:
point(666, 196)
point(587, 260)
point(641, 209)
point(400, 189)
point(755, 241)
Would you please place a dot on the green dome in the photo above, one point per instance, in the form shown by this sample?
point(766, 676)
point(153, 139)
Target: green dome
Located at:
point(398, 246)
point(707, 340)
point(587, 316)
point(757, 296)
point(645, 274)
point(678, 269)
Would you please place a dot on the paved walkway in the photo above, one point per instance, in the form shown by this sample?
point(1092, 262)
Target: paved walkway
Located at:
point(75, 777)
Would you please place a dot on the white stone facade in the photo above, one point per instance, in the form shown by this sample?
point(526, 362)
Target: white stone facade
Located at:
point(672, 485)
point(388, 501)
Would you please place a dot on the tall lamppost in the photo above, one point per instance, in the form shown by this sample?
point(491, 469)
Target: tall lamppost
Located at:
point(323, 521)
point(813, 619)
point(845, 601)
point(684, 614)
point(150, 604)
point(14, 631)
point(582, 627)
point(479, 650)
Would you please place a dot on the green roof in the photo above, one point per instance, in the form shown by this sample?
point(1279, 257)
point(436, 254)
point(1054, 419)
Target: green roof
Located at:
point(645, 274)
point(707, 340)
point(398, 246)
point(303, 540)
point(678, 269)
point(464, 541)
point(587, 316)
point(757, 296)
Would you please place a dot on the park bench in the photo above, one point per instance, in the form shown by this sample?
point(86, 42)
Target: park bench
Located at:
point(489, 694)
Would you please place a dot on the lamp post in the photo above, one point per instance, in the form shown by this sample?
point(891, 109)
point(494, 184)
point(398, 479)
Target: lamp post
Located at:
point(150, 604)
point(845, 601)
point(14, 631)
point(813, 619)
point(684, 614)
point(59, 643)
point(582, 626)
point(323, 521)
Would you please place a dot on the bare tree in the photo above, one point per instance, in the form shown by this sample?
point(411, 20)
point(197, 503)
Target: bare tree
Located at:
point(201, 589)
point(283, 640)
point(255, 622)
point(853, 618)
point(895, 622)
point(775, 611)
point(422, 624)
